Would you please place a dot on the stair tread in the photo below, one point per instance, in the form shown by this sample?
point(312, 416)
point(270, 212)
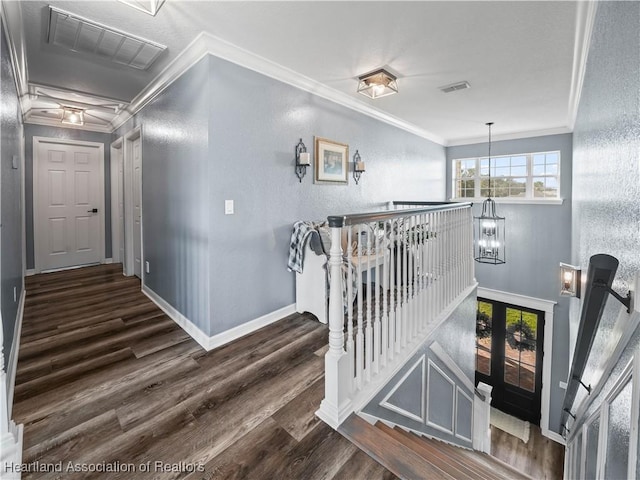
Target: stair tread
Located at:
point(412, 456)
point(388, 451)
point(489, 467)
point(432, 453)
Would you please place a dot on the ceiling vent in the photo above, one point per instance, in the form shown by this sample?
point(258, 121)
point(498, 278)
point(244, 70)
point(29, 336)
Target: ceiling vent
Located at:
point(81, 35)
point(455, 86)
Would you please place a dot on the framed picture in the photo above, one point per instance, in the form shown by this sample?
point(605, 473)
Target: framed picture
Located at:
point(331, 161)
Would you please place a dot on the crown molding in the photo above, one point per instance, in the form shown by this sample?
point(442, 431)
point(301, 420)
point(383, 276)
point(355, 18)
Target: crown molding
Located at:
point(11, 16)
point(509, 136)
point(585, 18)
point(207, 44)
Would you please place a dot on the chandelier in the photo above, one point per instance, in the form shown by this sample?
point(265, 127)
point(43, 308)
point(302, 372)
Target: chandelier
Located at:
point(489, 227)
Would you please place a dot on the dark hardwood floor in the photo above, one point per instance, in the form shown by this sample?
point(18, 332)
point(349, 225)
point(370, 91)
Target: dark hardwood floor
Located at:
point(107, 381)
point(541, 458)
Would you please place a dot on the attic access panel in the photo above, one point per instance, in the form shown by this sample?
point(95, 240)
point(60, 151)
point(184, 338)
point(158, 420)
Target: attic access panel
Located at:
point(79, 34)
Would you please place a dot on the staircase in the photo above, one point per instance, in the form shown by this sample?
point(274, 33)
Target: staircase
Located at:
point(413, 457)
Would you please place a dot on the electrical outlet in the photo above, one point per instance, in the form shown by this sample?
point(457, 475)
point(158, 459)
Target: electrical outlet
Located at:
point(146, 266)
point(228, 207)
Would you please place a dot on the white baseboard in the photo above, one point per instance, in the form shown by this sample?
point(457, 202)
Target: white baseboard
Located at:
point(186, 324)
point(12, 364)
point(30, 272)
point(210, 342)
point(107, 261)
point(250, 326)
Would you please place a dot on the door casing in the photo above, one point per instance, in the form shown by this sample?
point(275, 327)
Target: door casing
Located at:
point(129, 264)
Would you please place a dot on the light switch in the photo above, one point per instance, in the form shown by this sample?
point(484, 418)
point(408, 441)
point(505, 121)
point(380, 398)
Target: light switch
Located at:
point(563, 385)
point(228, 207)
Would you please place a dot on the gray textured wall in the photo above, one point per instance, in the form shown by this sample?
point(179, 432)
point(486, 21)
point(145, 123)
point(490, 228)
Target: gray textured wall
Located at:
point(176, 180)
point(606, 200)
point(225, 132)
point(538, 238)
point(31, 131)
point(11, 198)
point(457, 337)
point(254, 125)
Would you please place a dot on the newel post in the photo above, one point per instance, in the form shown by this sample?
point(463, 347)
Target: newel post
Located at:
point(10, 433)
point(336, 406)
point(482, 418)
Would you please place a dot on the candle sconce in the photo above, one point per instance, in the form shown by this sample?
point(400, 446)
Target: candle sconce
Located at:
point(358, 167)
point(303, 160)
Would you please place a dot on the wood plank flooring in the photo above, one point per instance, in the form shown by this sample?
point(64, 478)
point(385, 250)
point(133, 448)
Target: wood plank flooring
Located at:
point(540, 457)
point(105, 380)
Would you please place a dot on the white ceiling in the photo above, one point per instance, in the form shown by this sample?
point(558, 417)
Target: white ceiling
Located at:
point(522, 59)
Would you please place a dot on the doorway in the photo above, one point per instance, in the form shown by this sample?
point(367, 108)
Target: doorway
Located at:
point(509, 348)
point(117, 202)
point(68, 199)
point(132, 171)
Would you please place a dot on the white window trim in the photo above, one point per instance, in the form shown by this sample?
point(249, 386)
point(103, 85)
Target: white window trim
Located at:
point(512, 200)
point(515, 200)
point(545, 306)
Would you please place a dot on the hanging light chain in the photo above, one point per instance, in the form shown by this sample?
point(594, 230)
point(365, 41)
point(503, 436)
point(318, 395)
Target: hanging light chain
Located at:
point(489, 125)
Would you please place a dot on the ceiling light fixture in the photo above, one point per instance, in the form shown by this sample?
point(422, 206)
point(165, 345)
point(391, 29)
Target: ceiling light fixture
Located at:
point(147, 6)
point(490, 233)
point(377, 84)
point(72, 116)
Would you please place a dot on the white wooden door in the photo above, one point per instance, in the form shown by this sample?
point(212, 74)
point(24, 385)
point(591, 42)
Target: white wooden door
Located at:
point(68, 200)
point(137, 207)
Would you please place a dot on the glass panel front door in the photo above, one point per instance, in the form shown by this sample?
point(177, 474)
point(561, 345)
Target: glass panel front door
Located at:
point(509, 356)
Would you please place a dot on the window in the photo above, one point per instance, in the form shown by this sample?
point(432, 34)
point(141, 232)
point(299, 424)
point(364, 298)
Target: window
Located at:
point(522, 176)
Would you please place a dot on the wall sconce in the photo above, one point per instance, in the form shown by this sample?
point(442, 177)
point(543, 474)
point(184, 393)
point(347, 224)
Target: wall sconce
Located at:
point(72, 116)
point(377, 84)
point(358, 167)
point(570, 280)
point(303, 160)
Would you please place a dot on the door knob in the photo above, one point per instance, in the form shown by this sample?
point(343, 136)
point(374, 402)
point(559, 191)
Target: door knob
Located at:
point(93, 210)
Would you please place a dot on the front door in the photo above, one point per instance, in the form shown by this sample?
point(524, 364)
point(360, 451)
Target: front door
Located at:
point(509, 357)
point(68, 200)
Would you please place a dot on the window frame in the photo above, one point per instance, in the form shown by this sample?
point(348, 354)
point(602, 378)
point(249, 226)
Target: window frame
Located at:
point(529, 192)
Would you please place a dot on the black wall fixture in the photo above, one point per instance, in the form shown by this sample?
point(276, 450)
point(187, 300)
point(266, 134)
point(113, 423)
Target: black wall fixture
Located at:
point(600, 276)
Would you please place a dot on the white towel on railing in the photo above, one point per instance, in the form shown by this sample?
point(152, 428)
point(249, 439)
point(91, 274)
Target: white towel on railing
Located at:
point(299, 237)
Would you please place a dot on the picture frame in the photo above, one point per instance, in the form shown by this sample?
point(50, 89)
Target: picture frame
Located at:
point(331, 161)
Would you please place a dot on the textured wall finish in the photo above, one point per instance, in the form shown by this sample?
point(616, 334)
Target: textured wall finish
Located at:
point(176, 178)
point(11, 200)
point(538, 238)
point(255, 123)
point(423, 393)
point(31, 131)
point(222, 132)
point(606, 173)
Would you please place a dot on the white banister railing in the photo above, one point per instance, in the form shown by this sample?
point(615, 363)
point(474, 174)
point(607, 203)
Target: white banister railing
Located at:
point(393, 277)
